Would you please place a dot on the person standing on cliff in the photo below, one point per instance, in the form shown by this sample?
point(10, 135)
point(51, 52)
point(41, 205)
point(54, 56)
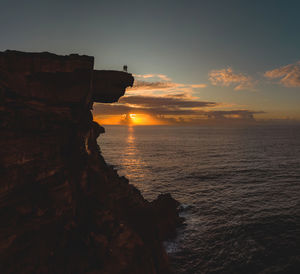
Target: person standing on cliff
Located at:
point(125, 68)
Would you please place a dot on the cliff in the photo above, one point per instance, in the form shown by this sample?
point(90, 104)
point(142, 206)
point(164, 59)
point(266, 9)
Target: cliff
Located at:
point(62, 208)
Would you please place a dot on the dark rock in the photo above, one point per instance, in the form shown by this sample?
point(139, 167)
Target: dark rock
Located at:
point(62, 208)
point(109, 85)
point(165, 210)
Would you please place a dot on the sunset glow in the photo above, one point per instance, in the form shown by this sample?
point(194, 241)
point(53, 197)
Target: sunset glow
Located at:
point(144, 119)
point(129, 119)
point(216, 60)
point(150, 136)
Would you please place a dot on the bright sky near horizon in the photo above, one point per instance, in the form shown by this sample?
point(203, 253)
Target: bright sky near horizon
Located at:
point(192, 60)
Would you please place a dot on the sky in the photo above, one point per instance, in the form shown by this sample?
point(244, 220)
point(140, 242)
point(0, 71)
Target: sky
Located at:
point(193, 61)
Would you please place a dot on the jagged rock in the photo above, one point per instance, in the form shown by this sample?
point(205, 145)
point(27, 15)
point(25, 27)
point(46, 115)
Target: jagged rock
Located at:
point(109, 85)
point(62, 208)
point(165, 210)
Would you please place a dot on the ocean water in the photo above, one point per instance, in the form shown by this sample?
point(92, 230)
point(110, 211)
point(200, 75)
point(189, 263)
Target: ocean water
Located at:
point(239, 188)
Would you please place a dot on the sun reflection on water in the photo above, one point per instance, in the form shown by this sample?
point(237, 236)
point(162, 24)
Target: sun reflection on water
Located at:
point(130, 136)
point(131, 158)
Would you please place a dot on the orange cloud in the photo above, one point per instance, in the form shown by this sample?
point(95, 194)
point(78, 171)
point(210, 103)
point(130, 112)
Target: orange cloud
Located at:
point(198, 86)
point(108, 119)
point(144, 85)
point(226, 77)
point(134, 119)
point(162, 101)
point(149, 110)
point(289, 75)
point(160, 84)
point(154, 100)
point(146, 76)
point(141, 119)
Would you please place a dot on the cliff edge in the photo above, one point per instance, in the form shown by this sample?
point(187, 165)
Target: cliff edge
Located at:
point(62, 208)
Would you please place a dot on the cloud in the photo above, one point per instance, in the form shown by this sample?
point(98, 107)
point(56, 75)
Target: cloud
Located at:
point(198, 86)
point(160, 84)
point(155, 105)
point(169, 102)
point(162, 101)
point(178, 115)
point(289, 75)
point(146, 76)
point(173, 110)
point(144, 85)
point(226, 77)
point(240, 114)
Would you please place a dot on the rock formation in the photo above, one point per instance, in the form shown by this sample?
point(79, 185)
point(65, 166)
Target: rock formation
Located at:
point(62, 208)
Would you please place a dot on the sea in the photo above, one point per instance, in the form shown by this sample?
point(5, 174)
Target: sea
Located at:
point(239, 189)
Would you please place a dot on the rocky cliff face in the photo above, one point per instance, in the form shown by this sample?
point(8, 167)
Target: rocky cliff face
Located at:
point(62, 208)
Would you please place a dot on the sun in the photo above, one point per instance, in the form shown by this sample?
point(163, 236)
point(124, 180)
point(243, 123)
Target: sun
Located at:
point(131, 119)
point(142, 119)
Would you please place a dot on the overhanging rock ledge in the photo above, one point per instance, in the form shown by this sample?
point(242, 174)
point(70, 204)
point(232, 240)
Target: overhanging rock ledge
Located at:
point(62, 208)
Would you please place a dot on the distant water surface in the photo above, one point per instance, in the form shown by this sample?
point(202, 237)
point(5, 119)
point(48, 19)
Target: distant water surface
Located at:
point(240, 188)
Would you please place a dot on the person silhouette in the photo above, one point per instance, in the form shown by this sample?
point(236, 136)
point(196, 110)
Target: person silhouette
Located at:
point(125, 68)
